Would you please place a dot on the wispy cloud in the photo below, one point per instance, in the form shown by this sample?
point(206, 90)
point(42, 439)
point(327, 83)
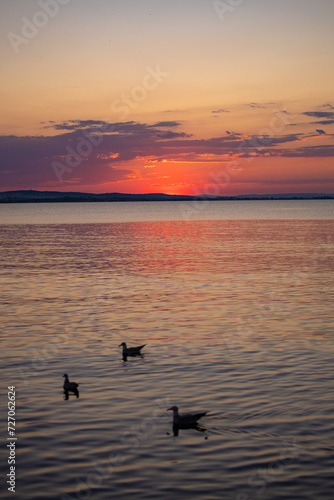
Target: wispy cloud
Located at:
point(320, 114)
point(169, 124)
point(76, 124)
point(327, 117)
point(263, 105)
point(323, 122)
point(218, 111)
point(327, 105)
point(325, 151)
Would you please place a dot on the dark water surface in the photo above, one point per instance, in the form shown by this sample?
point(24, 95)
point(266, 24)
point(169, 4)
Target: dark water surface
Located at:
point(237, 318)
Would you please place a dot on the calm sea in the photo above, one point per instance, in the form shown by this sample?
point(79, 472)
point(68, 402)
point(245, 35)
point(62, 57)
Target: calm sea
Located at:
point(234, 301)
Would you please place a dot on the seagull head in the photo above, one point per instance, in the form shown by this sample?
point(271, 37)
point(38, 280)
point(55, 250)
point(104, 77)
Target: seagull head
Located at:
point(173, 408)
point(122, 344)
point(65, 375)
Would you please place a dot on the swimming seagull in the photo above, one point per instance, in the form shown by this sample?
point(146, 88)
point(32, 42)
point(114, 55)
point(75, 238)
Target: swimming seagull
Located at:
point(70, 386)
point(185, 418)
point(131, 351)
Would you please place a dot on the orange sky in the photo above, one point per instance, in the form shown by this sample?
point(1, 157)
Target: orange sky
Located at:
point(180, 97)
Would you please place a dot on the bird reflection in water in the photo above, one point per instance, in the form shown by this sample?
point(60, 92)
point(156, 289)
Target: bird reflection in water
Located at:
point(177, 427)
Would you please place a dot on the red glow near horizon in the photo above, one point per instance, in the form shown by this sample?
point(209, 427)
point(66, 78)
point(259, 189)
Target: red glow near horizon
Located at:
point(208, 174)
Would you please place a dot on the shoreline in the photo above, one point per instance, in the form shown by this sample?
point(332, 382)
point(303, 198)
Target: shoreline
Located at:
point(69, 199)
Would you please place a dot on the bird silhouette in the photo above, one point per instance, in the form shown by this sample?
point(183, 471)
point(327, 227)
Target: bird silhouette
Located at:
point(70, 387)
point(185, 418)
point(131, 351)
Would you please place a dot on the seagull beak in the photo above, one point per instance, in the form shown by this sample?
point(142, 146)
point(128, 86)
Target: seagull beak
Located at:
point(169, 409)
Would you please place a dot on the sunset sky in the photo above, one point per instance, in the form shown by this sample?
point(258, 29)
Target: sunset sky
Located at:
point(171, 96)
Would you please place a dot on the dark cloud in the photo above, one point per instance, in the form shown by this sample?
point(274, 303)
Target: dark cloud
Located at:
point(308, 152)
point(217, 111)
point(235, 135)
point(320, 131)
point(29, 161)
point(320, 114)
point(87, 152)
point(323, 122)
point(263, 105)
point(256, 143)
point(169, 124)
point(256, 105)
point(327, 105)
point(327, 117)
point(77, 124)
point(168, 134)
point(130, 127)
point(94, 151)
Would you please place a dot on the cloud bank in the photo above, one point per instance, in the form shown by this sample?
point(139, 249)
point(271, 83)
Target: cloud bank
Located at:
point(91, 152)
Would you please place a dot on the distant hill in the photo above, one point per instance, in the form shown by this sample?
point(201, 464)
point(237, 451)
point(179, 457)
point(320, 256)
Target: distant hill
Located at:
point(52, 196)
point(32, 196)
